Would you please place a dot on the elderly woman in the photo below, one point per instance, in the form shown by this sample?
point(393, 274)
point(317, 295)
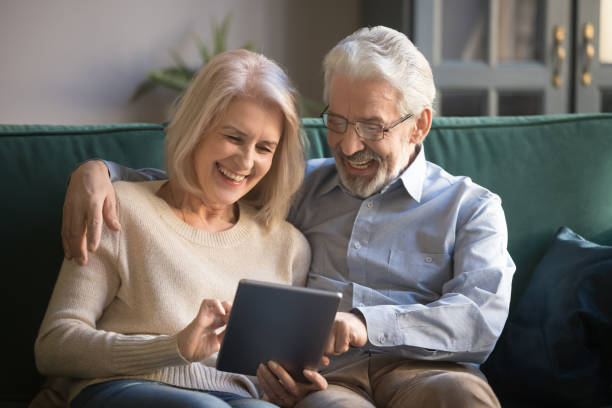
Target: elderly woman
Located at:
point(139, 325)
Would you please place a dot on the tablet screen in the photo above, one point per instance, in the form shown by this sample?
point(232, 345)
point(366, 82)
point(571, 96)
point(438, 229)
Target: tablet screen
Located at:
point(270, 321)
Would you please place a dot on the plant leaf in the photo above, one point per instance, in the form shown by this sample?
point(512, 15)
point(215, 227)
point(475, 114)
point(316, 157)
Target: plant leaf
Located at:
point(249, 46)
point(171, 78)
point(179, 61)
point(220, 34)
point(142, 89)
point(204, 52)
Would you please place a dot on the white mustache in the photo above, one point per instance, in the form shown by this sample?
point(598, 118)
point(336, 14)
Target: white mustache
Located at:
point(360, 156)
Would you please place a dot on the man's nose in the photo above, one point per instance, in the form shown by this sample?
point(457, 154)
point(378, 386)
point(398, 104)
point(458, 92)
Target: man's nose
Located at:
point(351, 142)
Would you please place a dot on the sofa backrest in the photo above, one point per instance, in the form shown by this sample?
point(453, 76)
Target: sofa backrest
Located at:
point(549, 170)
point(35, 162)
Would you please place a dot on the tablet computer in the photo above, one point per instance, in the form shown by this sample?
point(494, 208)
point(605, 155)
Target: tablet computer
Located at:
point(271, 321)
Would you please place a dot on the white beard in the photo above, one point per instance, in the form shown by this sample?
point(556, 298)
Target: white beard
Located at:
point(362, 186)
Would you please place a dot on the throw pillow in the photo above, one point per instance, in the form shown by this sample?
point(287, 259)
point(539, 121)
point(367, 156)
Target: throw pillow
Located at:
point(557, 344)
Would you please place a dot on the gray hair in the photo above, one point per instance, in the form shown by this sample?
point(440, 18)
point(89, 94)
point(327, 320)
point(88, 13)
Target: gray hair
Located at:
point(383, 53)
point(230, 75)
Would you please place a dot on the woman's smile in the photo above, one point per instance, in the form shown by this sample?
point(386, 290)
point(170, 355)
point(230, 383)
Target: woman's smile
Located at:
point(230, 175)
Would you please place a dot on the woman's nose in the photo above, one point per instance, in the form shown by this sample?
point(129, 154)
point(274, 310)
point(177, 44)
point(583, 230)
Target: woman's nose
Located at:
point(247, 158)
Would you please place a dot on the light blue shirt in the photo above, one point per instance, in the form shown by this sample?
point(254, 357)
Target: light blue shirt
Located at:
point(424, 261)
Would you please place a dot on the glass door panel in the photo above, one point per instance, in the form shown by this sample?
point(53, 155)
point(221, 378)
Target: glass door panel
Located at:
point(457, 102)
point(593, 39)
point(464, 30)
point(520, 103)
point(491, 52)
point(520, 26)
point(606, 100)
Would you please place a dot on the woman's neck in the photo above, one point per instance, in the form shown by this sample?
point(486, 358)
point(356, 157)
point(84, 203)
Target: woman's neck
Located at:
point(194, 211)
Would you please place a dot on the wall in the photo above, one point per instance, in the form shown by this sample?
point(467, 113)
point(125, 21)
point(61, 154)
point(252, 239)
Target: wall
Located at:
point(77, 61)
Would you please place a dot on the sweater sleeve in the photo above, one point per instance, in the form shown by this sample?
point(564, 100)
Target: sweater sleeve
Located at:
point(301, 259)
point(69, 344)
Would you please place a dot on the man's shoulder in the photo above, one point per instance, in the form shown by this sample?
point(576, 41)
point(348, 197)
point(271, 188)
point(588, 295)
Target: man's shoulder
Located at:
point(438, 180)
point(319, 172)
point(320, 166)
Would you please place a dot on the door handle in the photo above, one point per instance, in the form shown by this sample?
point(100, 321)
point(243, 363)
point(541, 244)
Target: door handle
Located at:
point(559, 55)
point(589, 53)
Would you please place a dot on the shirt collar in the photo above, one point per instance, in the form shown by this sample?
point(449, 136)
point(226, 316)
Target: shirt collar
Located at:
point(412, 178)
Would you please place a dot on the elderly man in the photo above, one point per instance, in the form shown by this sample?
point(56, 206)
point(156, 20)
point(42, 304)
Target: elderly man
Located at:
point(419, 255)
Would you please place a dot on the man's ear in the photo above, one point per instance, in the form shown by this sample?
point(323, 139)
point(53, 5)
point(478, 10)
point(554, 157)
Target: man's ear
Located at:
point(423, 124)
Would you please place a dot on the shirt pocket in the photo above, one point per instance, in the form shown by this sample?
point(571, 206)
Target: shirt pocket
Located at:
point(423, 273)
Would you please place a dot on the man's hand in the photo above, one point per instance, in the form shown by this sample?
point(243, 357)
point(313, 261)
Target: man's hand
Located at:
point(348, 330)
point(201, 337)
point(281, 389)
point(89, 199)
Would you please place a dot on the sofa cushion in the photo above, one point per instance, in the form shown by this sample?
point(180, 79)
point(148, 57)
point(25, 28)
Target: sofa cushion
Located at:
point(556, 346)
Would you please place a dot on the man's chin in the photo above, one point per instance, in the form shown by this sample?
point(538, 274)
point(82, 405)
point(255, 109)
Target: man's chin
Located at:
point(362, 186)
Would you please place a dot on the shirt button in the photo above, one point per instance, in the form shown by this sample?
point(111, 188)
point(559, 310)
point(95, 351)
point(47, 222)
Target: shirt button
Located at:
point(357, 245)
point(361, 305)
point(428, 259)
point(382, 338)
point(370, 205)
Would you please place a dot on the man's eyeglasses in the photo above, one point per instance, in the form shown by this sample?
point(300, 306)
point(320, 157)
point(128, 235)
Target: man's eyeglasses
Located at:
point(365, 130)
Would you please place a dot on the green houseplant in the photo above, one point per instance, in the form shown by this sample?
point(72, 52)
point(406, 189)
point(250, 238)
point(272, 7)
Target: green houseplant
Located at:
point(177, 77)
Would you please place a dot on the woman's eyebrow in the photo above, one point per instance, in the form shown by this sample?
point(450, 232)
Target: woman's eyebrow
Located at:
point(243, 134)
point(269, 143)
point(233, 129)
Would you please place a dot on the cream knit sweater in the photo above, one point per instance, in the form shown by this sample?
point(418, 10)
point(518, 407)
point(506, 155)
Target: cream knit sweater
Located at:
point(118, 316)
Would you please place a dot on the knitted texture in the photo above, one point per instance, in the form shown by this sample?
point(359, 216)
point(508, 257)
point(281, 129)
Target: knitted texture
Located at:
point(118, 316)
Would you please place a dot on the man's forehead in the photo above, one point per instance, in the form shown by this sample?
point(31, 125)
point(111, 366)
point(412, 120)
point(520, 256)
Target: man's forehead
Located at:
point(371, 97)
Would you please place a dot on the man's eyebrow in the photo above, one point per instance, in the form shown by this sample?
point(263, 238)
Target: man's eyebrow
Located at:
point(373, 119)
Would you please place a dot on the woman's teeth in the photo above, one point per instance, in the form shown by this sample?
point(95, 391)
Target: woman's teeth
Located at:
point(230, 175)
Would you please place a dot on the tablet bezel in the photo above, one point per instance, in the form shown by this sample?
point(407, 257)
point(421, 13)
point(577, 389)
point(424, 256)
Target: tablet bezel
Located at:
point(271, 321)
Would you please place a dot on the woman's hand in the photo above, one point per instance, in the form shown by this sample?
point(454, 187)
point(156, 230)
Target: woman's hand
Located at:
point(281, 389)
point(89, 200)
point(201, 338)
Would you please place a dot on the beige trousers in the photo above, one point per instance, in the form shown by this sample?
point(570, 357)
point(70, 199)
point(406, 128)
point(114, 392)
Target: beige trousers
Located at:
point(391, 382)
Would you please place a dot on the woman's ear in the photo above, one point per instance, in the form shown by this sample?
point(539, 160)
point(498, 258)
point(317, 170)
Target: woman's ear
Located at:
point(423, 124)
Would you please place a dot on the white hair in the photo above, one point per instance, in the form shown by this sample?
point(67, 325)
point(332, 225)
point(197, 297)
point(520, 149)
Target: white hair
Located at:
point(383, 53)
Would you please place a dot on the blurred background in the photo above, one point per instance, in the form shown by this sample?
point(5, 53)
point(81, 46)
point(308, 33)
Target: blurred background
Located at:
point(82, 62)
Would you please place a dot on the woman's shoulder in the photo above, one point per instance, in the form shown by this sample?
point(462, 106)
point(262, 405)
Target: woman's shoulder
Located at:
point(136, 198)
point(128, 189)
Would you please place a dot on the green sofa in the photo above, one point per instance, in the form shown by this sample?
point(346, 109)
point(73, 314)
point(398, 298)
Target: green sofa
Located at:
point(550, 171)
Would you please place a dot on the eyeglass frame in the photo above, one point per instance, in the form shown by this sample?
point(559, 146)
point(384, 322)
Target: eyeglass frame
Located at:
point(383, 129)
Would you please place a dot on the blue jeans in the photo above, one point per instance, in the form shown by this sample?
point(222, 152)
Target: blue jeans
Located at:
point(141, 393)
